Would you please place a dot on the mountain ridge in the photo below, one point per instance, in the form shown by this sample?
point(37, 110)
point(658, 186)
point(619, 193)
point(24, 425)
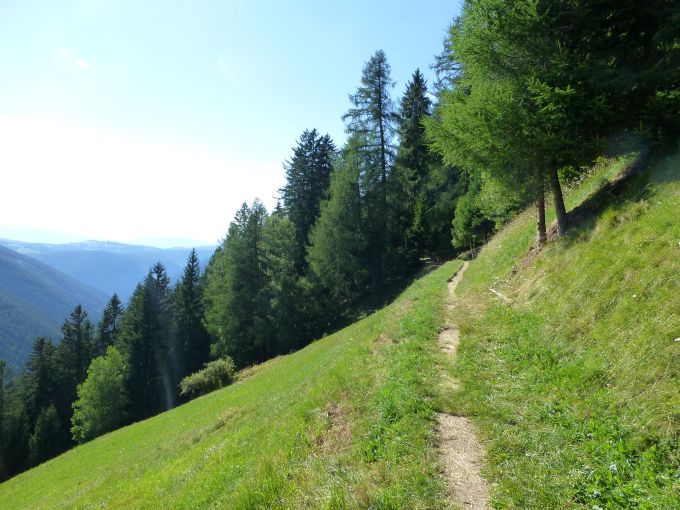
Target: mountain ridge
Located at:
point(35, 299)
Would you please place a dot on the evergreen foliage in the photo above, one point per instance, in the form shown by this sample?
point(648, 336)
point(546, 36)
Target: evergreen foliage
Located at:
point(107, 329)
point(308, 176)
point(44, 442)
point(524, 90)
point(236, 294)
point(338, 244)
point(193, 338)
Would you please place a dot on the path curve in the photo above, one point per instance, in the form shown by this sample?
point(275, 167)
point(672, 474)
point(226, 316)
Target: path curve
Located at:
point(461, 452)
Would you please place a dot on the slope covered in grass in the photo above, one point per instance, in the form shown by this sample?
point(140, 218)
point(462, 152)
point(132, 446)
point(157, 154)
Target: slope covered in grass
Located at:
point(575, 382)
point(344, 423)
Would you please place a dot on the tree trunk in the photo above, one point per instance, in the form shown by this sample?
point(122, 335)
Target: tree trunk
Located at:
point(560, 210)
point(541, 236)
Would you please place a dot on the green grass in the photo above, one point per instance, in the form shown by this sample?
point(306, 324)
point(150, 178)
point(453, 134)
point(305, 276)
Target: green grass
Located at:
point(575, 385)
point(345, 423)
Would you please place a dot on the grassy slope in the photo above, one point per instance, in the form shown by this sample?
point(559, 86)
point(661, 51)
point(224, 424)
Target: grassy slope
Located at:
point(574, 387)
point(344, 423)
point(575, 384)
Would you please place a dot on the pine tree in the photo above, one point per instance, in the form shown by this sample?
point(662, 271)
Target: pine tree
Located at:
point(41, 377)
point(108, 327)
point(307, 179)
point(76, 346)
point(73, 356)
point(337, 251)
point(236, 290)
point(371, 126)
point(193, 338)
point(413, 165)
point(44, 442)
point(143, 341)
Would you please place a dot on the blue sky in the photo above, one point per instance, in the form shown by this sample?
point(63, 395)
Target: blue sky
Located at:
point(125, 119)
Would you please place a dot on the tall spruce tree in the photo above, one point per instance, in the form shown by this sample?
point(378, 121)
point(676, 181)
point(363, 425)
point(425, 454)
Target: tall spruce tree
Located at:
point(73, 356)
point(40, 377)
point(45, 441)
point(142, 339)
point(236, 290)
point(308, 176)
point(413, 165)
point(107, 329)
point(337, 251)
point(193, 338)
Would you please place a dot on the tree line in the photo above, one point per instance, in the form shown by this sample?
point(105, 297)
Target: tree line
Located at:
point(527, 92)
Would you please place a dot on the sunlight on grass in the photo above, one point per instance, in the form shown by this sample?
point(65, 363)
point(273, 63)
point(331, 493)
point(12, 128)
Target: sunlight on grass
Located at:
point(575, 384)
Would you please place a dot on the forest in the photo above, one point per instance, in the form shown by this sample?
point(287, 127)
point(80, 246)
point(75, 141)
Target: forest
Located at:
point(527, 94)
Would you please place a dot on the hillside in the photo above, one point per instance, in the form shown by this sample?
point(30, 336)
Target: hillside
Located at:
point(571, 377)
point(34, 301)
point(107, 266)
point(575, 383)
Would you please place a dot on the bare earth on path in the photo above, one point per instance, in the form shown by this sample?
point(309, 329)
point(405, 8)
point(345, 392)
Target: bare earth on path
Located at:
point(461, 452)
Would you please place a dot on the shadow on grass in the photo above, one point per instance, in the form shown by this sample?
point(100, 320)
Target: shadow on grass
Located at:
point(629, 185)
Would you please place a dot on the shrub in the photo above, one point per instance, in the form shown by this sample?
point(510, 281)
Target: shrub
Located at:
point(215, 375)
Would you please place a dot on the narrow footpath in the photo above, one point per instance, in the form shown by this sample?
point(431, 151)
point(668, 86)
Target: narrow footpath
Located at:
point(461, 452)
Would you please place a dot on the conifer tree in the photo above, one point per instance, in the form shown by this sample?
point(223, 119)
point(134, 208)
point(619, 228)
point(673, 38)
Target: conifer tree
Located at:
point(337, 251)
point(108, 327)
point(45, 441)
point(413, 165)
point(193, 338)
point(307, 179)
point(41, 382)
point(73, 356)
point(371, 126)
point(142, 339)
point(236, 290)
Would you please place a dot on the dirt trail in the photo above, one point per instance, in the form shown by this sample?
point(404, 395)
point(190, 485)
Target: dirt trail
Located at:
point(461, 453)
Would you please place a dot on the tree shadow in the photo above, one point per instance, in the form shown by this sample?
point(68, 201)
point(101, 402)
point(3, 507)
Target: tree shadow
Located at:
point(631, 184)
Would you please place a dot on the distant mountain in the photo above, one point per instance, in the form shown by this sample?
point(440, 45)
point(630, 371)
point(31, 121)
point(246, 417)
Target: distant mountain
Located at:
point(35, 299)
point(108, 266)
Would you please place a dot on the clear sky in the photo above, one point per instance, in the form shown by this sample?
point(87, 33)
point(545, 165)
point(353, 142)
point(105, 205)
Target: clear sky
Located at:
point(126, 120)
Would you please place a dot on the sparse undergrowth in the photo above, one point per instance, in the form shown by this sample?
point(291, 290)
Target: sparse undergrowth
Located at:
point(575, 383)
point(345, 423)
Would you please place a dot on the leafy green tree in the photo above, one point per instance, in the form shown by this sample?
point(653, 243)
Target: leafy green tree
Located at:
point(193, 338)
point(44, 442)
point(107, 330)
point(470, 225)
point(485, 124)
point(102, 398)
point(308, 176)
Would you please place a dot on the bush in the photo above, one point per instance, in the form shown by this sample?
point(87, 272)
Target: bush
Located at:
point(215, 375)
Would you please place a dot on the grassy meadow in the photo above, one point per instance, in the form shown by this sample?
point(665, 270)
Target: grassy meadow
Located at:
point(575, 383)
